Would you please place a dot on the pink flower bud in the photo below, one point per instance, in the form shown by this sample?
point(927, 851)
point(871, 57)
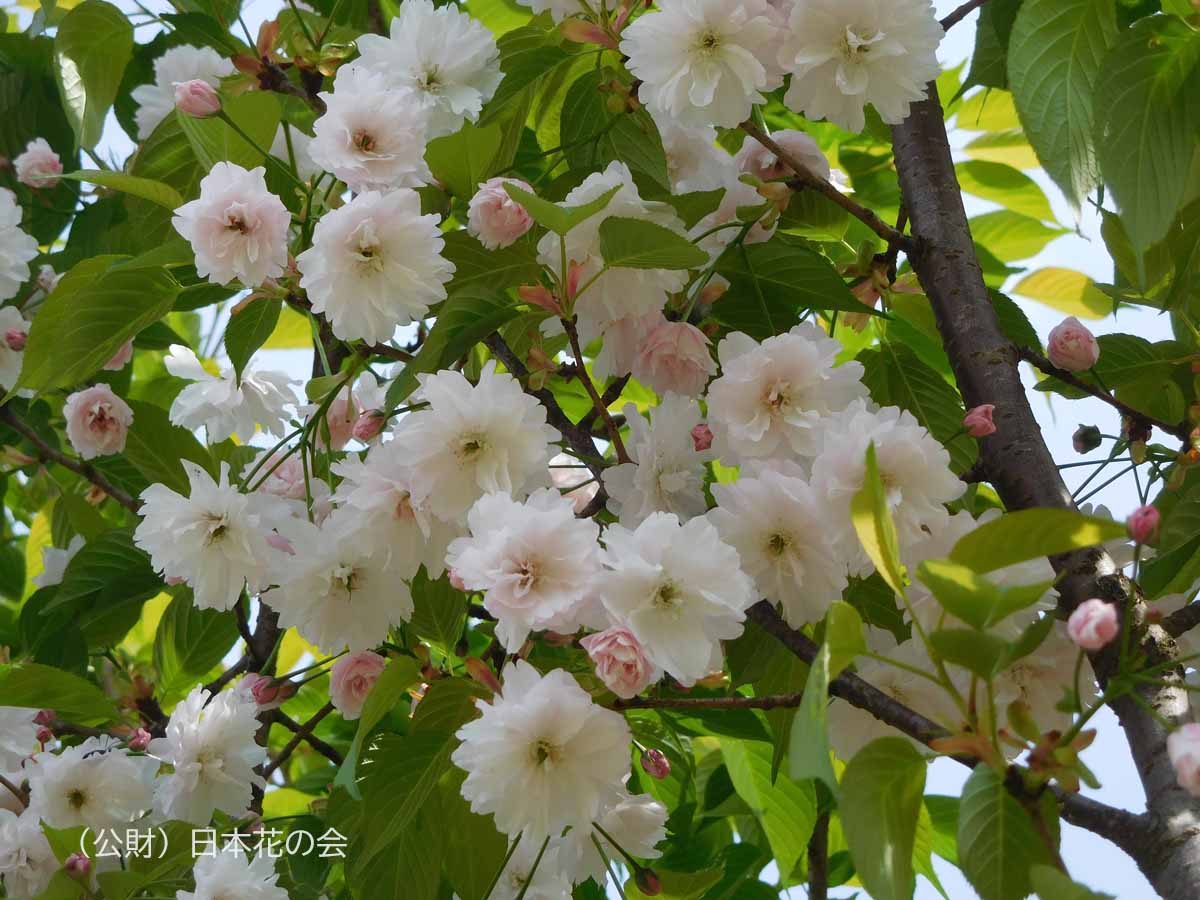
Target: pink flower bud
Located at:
point(1086, 438)
point(648, 882)
point(621, 662)
point(97, 421)
point(495, 218)
point(1143, 524)
point(44, 735)
point(39, 166)
point(16, 339)
point(139, 740)
point(351, 680)
point(1093, 624)
point(340, 418)
point(1183, 748)
point(978, 421)
point(121, 358)
point(1072, 347)
point(655, 764)
point(369, 424)
point(268, 692)
point(45, 717)
point(197, 98)
point(77, 865)
point(702, 437)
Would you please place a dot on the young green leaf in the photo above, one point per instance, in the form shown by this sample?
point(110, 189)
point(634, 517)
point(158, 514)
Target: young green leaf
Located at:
point(874, 525)
point(636, 244)
point(559, 219)
point(1030, 533)
point(997, 841)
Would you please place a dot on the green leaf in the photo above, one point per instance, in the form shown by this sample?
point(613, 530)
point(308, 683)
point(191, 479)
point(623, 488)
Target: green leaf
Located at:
point(189, 642)
point(1146, 121)
point(1067, 291)
point(448, 704)
point(463, 160)
point(997, 842)
point(1013, 321)
point(786, 810)
point(559, 219)
point(526, 56)
point(809, 749)
point(989, 62)
point(93, 45)
point(411, 867)
point(154, 191)
point(401, 774)
point(1030, 533)
point(1054, 59)
point(34, 686)
point(248, 329)
point(1011, 236)
point(636, 244)
point(973, 598)
point(398, 676)
point(874, 526)
point(257, 113)
point(109, 570)
point(497, 269)
point(1005, 185)
point(156, 448)
point(95, 309)
point(880, 805)
point(771, 284)
point(976, 651)
point(943, 816)
point(473, 844)
point(439, 611)
point(1051, 884)
point(464, 319)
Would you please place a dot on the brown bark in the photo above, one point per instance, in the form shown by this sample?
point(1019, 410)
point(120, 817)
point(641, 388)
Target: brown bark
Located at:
point(1017, 461)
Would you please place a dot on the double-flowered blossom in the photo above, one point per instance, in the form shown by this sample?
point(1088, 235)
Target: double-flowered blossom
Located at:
point(542, 756)
point(38, 166)
point(27, 862)
point(844, 54)
point(351, 679)
point(475, 439)
point(16, 250)
point(14, 330)
point(779, 525)
point(679, 589)
point(445, 61)
point(774, 398)
point(230, 874)
point(372, 136)
point(375, 264)
point(178, 65)
point(209, 744)
point(97, 421)
point(216, 539)
point(96, 785)
point(704, 62)
point(222, 404)
point(494, 217)
point(534, 561)
point(237, 228)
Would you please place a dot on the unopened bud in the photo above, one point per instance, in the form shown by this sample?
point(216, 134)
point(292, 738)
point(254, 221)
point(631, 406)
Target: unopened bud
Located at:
point(647, 882)
point(16, 339)
point(1143, 524)
point(702, 437)
point(368, 425)
point(77, 865)
point(655, 764)
point(45, 717)
point(197, 98)
point(44, 735)
point(140, 739)
point(1086, 438)
point(979, 422)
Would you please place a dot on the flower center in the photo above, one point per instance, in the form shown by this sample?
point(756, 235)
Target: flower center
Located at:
point(778, 543)
point(778, 397)
point(856, 43)
point(708, 43)
point(403, 509)
point(365, 247)
point(348, 577)
point(430, 80)
point(667, 598)
point(544, 754)
point(471, 447)
point(77, 798)
point(363, 140)
point(217, 529)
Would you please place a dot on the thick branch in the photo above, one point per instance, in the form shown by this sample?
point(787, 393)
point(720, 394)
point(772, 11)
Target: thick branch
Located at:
point(1024, 473)
point(1035, 359)
point(818, 859)
point(809, 179)
point(84, 470)
point(1182, 620)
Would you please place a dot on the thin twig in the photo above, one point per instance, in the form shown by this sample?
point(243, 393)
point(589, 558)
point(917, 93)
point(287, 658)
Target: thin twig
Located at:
point(598, 405)
point(961, 13)
point(805, 177)
point(1035, 359)
point(302, 733)
point(20, 793)
point(313, 741)
point(818, 860)
point(772, 701)
point(84, 470)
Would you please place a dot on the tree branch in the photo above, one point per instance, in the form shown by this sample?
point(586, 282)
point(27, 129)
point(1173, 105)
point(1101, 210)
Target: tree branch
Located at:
point(1035, 359)
point(1182, 620)
point(1024, 473)
point(46, 453)
point(598, 405)
point(773, 701)
point(311, 739)
point(818, 859)
point(961, 13)
point(806, 178)
point(20, 793)
point(302, 733)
